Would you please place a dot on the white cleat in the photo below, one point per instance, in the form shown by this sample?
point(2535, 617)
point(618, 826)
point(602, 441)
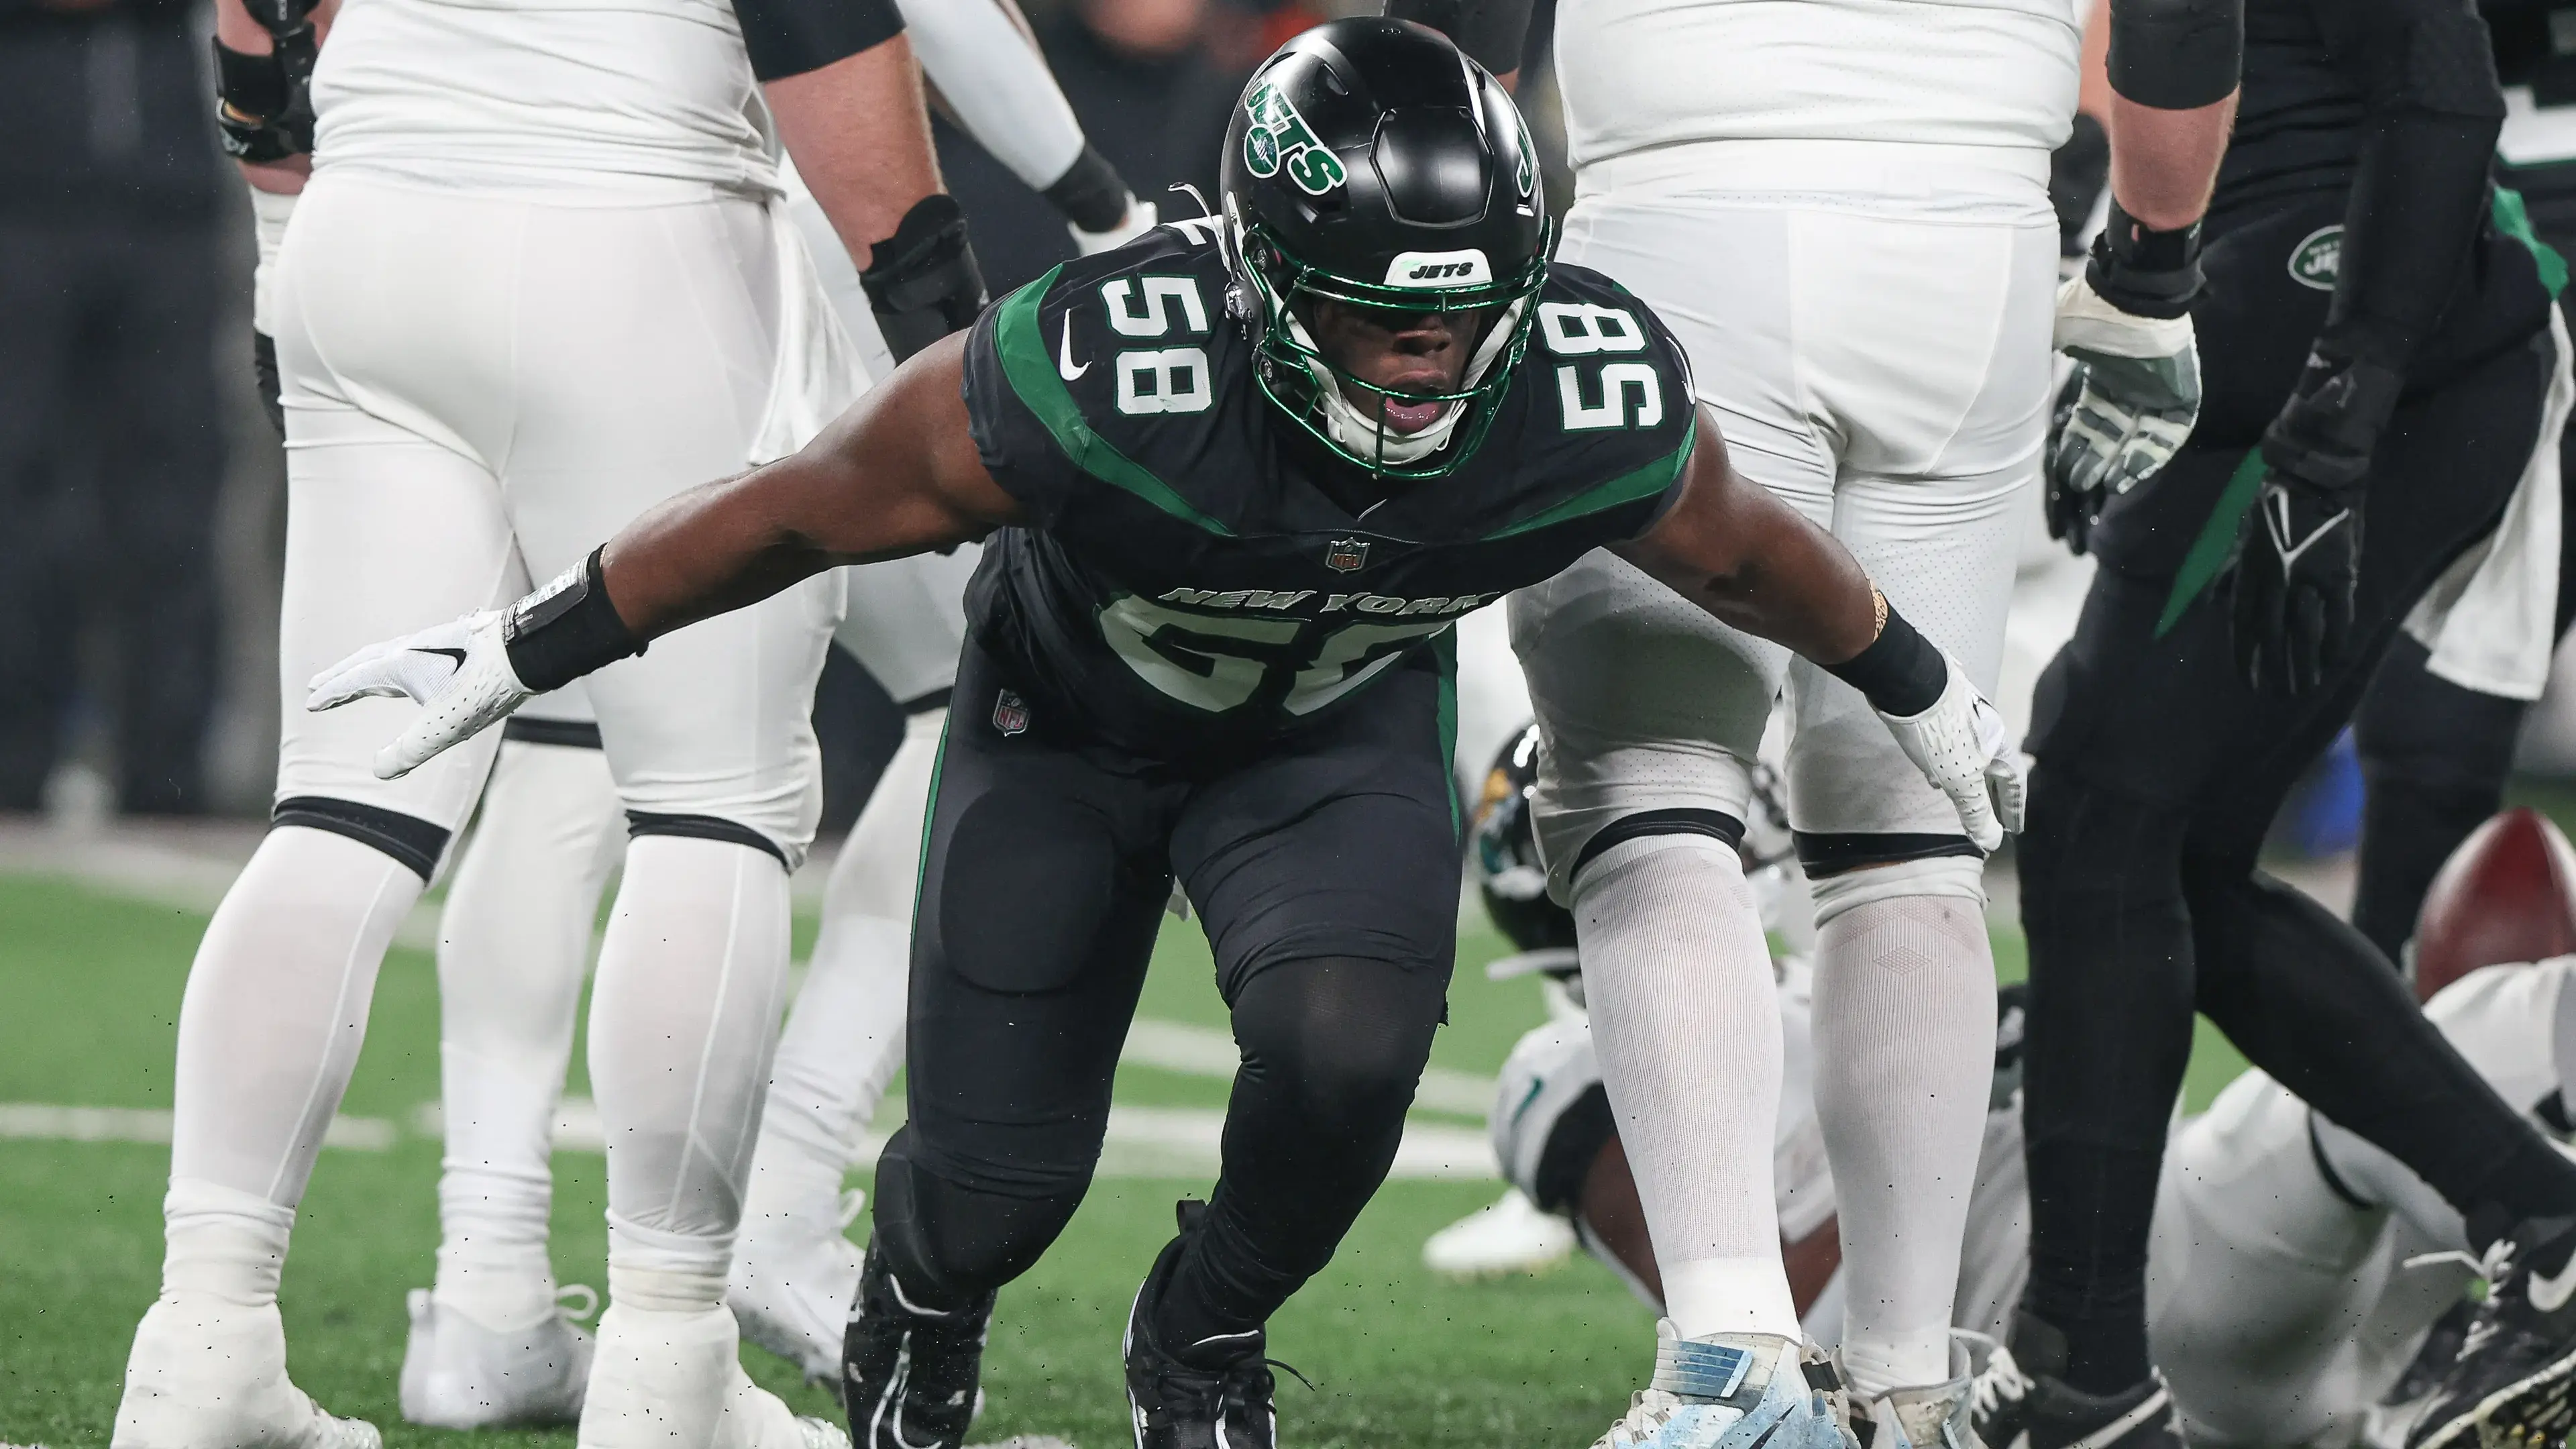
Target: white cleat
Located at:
point(793, 1283)
point(1934, 1416)
point(457, 1374)
point(1510, 1236)
point(1732, 1391)
point(664, 1378)
point(209, 1375)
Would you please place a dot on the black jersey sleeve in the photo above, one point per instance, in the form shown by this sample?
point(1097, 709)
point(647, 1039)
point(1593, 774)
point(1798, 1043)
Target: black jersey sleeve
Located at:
point(1609, 418)
point(791, 37)
point(2427, 73)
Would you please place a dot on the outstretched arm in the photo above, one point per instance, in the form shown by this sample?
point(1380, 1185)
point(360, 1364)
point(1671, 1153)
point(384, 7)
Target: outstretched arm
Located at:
point(1753, 562)
point(897, 474)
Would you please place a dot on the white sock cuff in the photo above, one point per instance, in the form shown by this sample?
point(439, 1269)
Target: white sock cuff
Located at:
point(1959, 877)
point(1605, 868)
point(1730, 1295)
point(664, 1271)
point(1884, 1362)
point(223, 1243)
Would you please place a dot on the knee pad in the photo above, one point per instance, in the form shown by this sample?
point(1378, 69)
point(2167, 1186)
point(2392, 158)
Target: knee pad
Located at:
point(414, 843)
point(1959, 876)
point(1551, 1115)
point(706, 827)
point(1350, 1034)
point(952, 1243)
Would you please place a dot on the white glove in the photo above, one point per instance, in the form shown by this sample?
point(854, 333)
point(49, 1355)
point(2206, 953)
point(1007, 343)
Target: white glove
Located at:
point(2127, 408)
point(460, 670)
point(1960, 746)
point(1140, 219)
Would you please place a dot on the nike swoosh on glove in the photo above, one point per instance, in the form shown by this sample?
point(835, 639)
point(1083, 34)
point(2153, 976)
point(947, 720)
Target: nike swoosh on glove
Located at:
point(1960, 745)
point(460, 671)
point(2126, 409)
point(2297, 567)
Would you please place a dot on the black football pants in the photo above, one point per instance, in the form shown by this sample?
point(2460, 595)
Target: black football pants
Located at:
point(1325, 871)
point(2159, 772)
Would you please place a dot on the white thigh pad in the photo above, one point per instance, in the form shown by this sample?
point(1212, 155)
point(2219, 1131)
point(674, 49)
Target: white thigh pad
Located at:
point(1644, 702)
point(906, 619)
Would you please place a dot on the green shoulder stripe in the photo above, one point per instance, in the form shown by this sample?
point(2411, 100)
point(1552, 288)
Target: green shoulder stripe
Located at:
point(1033, 379)
point(1646, 482)
point(2514, 220)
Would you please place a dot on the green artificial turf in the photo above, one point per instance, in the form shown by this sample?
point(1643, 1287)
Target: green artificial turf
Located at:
point(91, 984)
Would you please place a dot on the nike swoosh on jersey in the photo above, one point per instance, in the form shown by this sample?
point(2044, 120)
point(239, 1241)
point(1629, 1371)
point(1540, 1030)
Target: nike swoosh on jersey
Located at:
point(2550, 1293)
point(1064, 366)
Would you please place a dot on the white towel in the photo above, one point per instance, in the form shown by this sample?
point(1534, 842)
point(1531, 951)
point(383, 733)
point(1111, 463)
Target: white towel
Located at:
point(2491, 619)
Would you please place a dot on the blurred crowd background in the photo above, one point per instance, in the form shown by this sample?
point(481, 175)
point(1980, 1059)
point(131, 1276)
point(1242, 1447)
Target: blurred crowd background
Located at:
point(142, 489)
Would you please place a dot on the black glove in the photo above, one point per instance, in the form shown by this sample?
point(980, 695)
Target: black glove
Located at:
point(2298, 559)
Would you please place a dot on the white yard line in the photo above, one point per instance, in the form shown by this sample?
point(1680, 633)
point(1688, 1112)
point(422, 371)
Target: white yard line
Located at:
point(1142, 1141)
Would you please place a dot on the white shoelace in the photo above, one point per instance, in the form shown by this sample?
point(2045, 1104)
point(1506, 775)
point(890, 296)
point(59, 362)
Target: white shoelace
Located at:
point(1648, 1411)
point(572, 1293)
point(2002, 1383)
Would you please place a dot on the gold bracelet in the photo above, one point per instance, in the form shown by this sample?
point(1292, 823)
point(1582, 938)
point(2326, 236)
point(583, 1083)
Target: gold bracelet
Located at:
point(1878, 601)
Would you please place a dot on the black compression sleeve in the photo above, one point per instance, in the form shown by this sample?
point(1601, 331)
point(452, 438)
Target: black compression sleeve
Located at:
point(791, 37)
point(2420, 196)
point(1091, 194)
point(1490, 31)
point(1901, 673)
point(2176, 55)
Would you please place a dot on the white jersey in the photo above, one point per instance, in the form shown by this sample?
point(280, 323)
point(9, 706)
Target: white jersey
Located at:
point(1641, 74)
point(546, 99)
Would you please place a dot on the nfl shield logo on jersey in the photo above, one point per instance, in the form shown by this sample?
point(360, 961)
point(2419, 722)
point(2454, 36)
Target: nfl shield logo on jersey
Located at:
point(1347, 555)
point(1010, 713)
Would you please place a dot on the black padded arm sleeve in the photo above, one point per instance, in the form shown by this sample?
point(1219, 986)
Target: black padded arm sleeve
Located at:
point(791, 37)
point(2176, 55)
point(1492, 32)
point(2420, 196)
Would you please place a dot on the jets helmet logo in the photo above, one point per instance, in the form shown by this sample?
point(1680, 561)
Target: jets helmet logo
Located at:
point(1347, 555)
point(1280, 138)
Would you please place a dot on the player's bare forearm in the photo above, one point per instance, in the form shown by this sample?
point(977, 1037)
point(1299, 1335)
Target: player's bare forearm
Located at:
point(2163, 163)
point(1751, 560)
point(897, 474)
point(861, 138)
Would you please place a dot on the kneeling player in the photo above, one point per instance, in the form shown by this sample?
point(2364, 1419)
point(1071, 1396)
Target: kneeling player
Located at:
point(1238, 478)
point(2304, 1287)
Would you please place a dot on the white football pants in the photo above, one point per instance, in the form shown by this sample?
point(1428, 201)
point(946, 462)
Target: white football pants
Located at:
point(478, 392)
point(1884, 369)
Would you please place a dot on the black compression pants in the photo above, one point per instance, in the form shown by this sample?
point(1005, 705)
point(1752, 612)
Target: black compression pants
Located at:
point(2159, 773)
point(1325, 871)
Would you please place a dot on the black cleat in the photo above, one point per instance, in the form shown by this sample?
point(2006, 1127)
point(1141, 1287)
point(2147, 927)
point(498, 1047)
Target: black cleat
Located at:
point(2016, 1404)
point(2509, 1387)
point(909, 1376)
point(1181, 1405)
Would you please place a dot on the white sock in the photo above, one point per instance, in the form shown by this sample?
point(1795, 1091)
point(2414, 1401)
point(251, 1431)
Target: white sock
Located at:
point(276, 1009)
point(223, 1245)
point(1905, 1050)
point(514, 942)
point(692, 973)
point(844, 1037)
point(1686, 1018)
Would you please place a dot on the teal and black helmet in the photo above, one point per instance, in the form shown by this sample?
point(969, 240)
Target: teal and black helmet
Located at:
point(1372, 162)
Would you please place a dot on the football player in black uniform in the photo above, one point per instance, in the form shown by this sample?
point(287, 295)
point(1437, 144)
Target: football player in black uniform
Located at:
point(2378, 365)
point(1238, 478)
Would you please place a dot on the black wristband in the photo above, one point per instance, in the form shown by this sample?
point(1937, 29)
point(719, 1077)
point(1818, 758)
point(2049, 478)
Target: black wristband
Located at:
point(922, 282)
point(2142, 271)
point(1091, 193)
point(1900, 673)
point(567, 629)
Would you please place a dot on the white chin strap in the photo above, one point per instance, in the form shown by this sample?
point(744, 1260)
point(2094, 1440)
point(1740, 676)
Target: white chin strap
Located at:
point(1368, 436)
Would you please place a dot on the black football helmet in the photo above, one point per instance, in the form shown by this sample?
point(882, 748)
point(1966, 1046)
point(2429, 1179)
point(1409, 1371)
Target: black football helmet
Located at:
point(1371, 162)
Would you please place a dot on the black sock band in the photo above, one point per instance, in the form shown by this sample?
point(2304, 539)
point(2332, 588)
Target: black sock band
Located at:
point(567, 629)
point(1900, 672)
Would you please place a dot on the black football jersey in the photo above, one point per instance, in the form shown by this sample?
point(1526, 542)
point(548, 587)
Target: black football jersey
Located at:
point(1184, 581)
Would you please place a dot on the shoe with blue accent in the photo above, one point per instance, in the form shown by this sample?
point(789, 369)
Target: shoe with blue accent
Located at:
point(1734, 1391)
